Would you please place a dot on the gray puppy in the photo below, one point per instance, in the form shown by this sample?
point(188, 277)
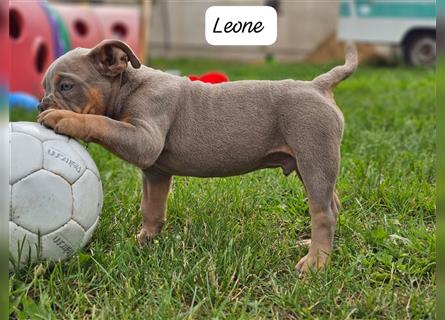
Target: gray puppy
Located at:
point(168, 125)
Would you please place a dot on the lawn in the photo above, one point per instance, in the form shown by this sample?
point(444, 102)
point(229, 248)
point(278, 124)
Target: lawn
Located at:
point(228, 249)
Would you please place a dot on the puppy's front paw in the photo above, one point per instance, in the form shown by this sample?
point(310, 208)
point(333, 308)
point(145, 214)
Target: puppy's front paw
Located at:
point(145, 236)
point(63, 121)
point(312, 261)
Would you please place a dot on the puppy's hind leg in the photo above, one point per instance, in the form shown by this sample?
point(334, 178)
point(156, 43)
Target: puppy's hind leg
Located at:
point(318, 168)
point(155, 189)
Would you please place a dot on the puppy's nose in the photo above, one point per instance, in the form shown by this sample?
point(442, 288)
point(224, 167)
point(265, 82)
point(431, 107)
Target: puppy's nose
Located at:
point(41, 107)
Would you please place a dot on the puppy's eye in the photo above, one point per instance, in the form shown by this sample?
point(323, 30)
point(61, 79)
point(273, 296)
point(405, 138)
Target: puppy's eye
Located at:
point(65, 86)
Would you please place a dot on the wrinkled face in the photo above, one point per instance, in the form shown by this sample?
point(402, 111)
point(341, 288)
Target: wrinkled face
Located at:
point(82, 79)
point(72, 83)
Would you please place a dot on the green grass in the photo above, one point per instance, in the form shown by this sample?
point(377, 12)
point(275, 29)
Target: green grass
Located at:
point(228, 249)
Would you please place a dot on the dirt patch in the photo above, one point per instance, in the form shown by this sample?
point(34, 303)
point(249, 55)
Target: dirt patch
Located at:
point(332, 49)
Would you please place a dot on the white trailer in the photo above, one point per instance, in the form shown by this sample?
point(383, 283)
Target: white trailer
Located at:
point(408, 24)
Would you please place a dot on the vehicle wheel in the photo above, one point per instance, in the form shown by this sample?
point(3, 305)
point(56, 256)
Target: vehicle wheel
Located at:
point(420, 50)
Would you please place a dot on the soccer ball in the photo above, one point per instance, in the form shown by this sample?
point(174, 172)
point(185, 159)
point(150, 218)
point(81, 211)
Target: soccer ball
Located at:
point(55, 195)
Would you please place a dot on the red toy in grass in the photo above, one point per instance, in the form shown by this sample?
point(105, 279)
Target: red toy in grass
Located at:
point(32, 47)
point(210, 77)
point(83, 26)
point(120, 22)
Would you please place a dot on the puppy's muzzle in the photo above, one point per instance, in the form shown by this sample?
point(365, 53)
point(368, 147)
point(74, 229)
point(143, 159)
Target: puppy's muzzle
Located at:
point(41, 107)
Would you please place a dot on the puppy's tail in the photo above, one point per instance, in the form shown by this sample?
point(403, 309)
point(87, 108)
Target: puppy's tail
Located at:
point(330, 79)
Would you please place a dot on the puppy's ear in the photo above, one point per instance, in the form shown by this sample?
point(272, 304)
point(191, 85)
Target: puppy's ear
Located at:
point(111, 57)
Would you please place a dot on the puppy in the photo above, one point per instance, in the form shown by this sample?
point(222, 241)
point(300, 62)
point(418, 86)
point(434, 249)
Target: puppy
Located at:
point(168, 125)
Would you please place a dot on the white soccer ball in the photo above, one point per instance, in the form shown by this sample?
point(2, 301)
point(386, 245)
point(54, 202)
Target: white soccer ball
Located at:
point(55, 194)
